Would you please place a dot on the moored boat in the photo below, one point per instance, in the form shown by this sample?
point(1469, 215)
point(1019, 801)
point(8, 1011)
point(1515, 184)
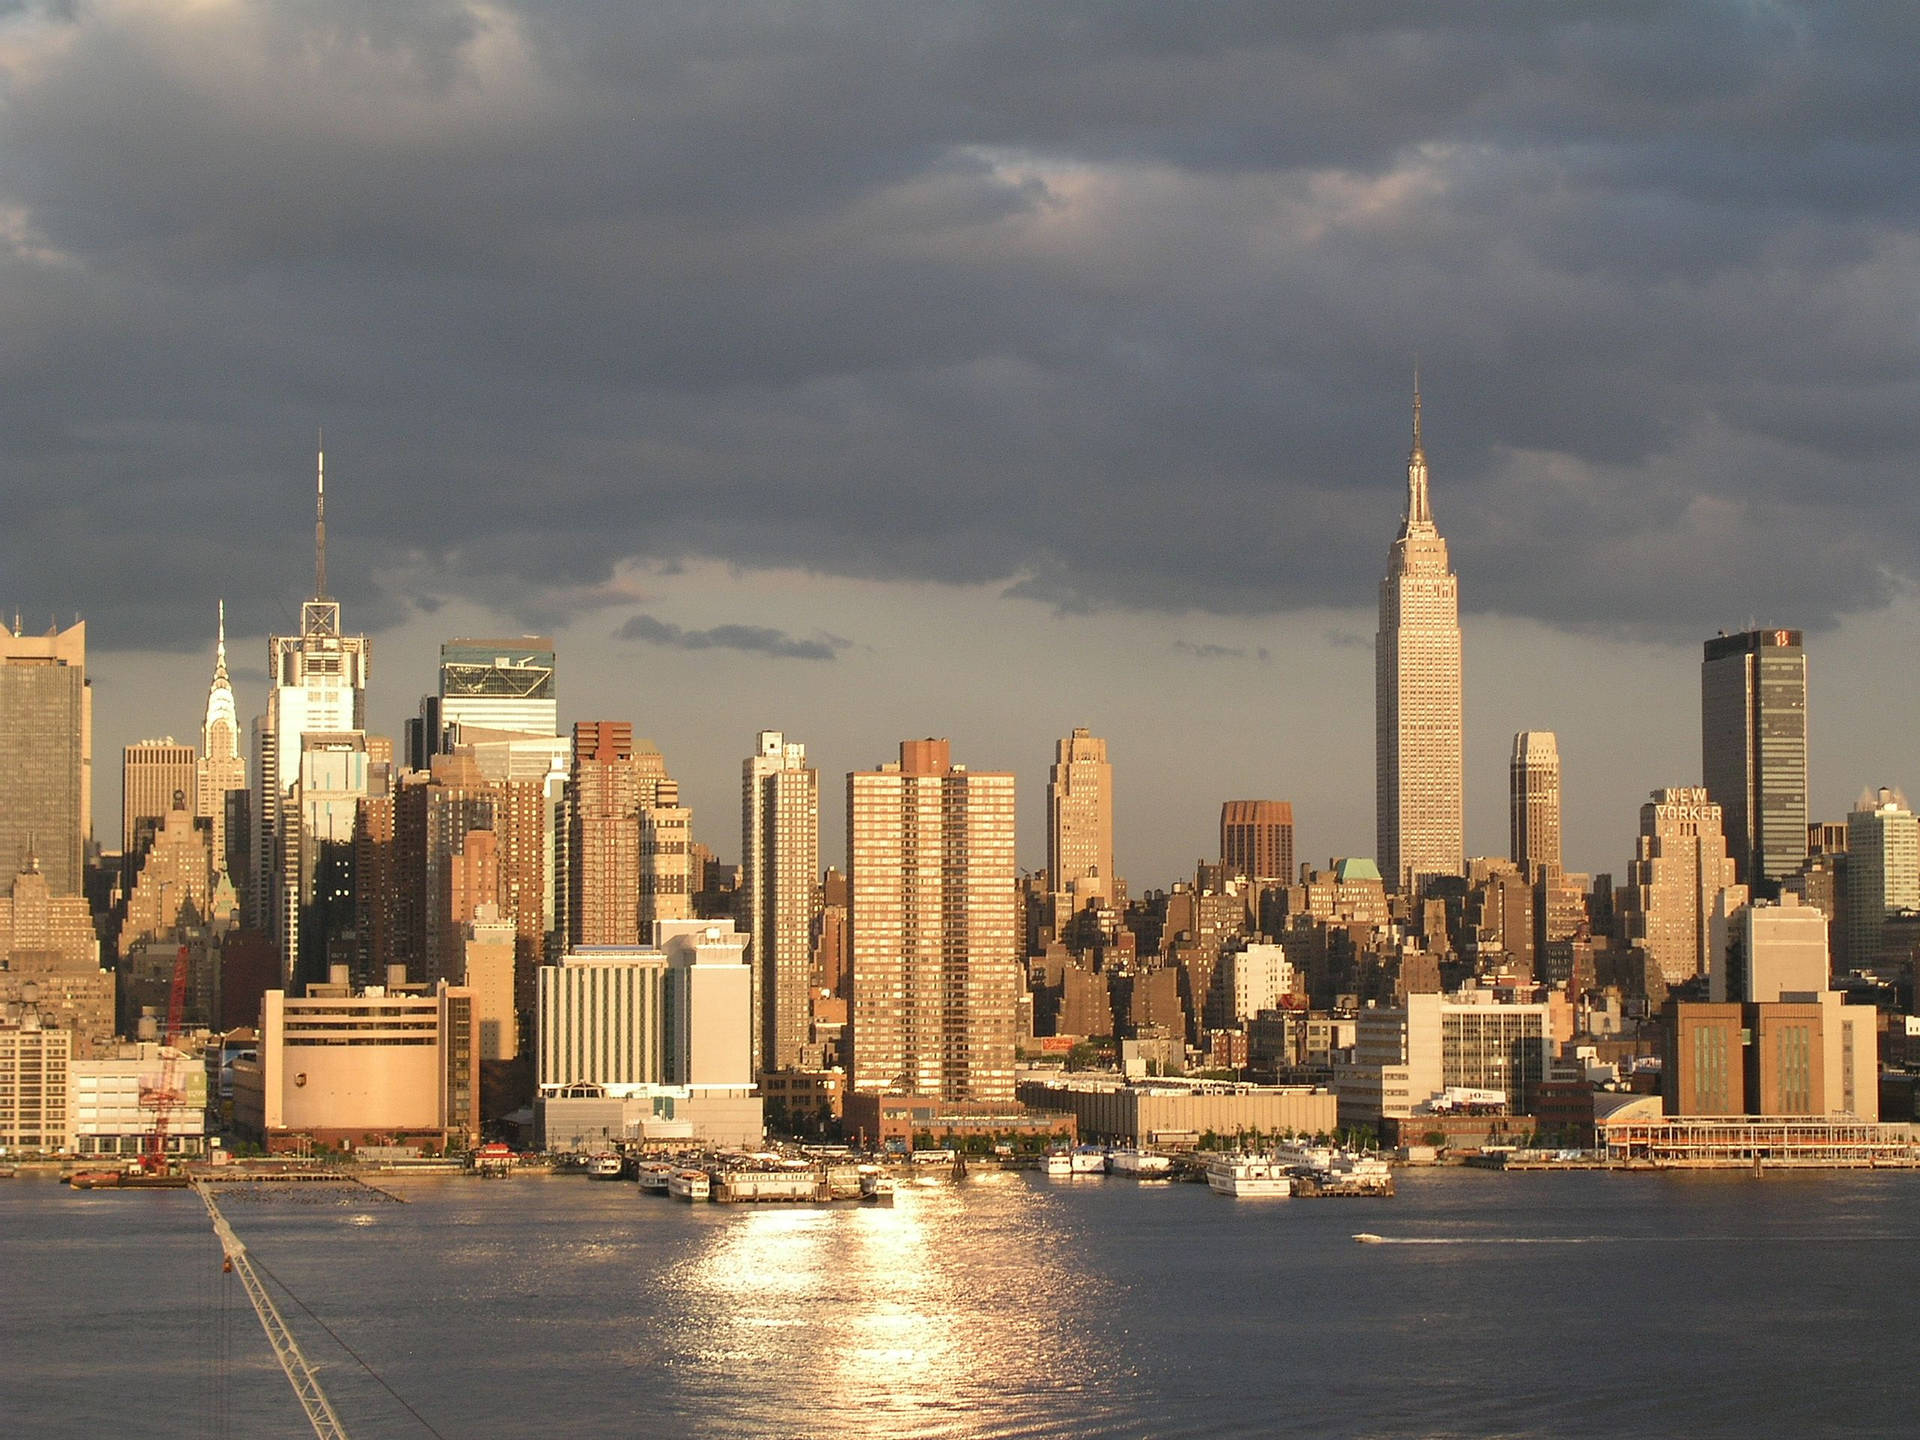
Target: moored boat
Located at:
point(767, 1184)
point(1249, 1175)
point(1327, 1170)
point(689, 1185)
point(1140, 1164)
point(653, 1175)
point(1089, 1160)
point(1056, 1164)
point(605, 1166)
point(876, 1185)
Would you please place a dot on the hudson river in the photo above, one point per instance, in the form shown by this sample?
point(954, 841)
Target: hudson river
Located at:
point(1578, 1304)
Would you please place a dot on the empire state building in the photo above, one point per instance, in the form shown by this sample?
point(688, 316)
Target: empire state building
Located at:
point(1417, 696)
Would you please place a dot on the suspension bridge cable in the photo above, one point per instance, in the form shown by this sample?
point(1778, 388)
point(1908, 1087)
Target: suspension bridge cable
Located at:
point(425, 1424)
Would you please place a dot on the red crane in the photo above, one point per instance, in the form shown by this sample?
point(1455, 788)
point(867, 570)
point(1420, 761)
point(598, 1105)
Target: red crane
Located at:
point(163, 1097)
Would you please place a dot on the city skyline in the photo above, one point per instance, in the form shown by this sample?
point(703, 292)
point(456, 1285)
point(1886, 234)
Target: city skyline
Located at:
point(807, 619)
point(1662, 706)
point(1102, 281)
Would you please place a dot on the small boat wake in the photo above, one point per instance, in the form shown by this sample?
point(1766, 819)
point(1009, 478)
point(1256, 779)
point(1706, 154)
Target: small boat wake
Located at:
point(1367, 1237)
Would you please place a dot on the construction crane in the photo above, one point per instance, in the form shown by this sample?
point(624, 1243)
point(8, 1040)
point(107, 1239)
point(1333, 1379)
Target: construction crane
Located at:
point(306, 1386)
point(164, 1097)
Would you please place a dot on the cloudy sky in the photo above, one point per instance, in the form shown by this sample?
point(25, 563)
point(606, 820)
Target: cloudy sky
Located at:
point(981, 370)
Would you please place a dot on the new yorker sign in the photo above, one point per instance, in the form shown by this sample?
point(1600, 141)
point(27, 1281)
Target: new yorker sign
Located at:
point(1689, 803)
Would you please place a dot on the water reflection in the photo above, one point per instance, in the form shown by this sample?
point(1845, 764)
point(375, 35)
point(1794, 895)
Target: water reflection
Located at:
point(925, 1318)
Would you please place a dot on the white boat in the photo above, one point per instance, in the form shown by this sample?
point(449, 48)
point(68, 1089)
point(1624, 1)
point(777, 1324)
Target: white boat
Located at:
point(1249, 1175)
point(762, 1184)
point(1057, 1164)
point(653, 1176)
point(1327, 1170)
point(1089, 1160)
point(689, 1185)
point(1141, 1164)
point(876, 1185)
point(605, 1167)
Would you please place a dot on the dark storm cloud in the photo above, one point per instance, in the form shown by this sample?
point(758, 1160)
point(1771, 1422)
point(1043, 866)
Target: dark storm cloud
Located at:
point(1114, 304)
point(754, 639)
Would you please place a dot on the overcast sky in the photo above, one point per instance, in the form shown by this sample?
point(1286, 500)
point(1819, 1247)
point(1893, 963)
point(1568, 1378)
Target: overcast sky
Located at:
point(981, 370)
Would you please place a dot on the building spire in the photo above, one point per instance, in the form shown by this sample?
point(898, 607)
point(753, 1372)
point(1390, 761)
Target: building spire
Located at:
point(220, 732)
point(1416, 408)
point(1419, 505)
point(320, 518)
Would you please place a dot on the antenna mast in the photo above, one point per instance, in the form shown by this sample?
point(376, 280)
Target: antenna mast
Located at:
point(320, 519)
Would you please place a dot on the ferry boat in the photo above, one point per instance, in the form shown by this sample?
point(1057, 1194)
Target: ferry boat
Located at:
point(763, 1184)
point(653, 1175)
point(1249, 1175)
point(689, 1185)
point(1089, 1160)
point(1057, 1164)
point(1140, 1164)
point(605, 1166)
point(876, 1186)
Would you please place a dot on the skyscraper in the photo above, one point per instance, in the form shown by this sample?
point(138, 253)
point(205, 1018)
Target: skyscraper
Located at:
point(500, 685)
point(1534, 802)
point(153, 774)
point(434, 816)
point(1256, 839)
point(1079, 824)
point(317, 684)
point(666, 859)
point(1680, 866)
point(936, 934)
point(220, 775)
point(46, 754)
point(779, 869)
point(1883, 874)
point(1417, 696)
point(1753, 749)
point(612, 778)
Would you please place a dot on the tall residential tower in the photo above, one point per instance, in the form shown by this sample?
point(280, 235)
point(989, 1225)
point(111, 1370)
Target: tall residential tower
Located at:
point(779, 870)
point(936, 932)
point(1417, 696)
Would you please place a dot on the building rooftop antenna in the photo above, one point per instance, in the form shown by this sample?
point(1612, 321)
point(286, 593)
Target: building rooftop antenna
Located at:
point(320, 517)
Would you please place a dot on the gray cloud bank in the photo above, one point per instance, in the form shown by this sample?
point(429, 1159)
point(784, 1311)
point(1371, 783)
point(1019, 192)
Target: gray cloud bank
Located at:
point(754, 639)
point(1117, 298)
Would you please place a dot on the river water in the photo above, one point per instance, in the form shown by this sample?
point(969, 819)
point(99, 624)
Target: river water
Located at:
point(1007, 1305)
